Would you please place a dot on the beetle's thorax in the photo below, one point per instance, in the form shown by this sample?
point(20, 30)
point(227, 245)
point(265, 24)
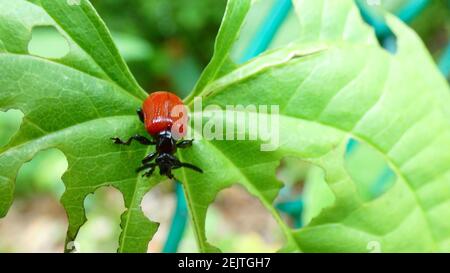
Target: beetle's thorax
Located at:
point(165, 143)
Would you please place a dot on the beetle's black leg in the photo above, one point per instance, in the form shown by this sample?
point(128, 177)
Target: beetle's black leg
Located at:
point(149, 172)
point(184, 144)
point(141, 139)
point(189, 166)
point(140, 114)
point(175, 163)
point(149, 157)
point(170, 176)
point(146, 166)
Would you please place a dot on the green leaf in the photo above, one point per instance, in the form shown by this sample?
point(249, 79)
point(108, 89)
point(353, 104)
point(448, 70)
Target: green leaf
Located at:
point(332, 21)
point(316, 194)
point(74, 104)
point(333, 84)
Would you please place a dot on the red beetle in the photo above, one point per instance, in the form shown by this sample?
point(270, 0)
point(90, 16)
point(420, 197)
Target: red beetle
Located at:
point(165, 119)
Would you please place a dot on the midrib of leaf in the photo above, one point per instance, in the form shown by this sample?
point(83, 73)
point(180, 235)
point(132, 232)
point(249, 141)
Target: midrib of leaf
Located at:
point(246, 182)
point(197, 228)
point(132, 205)
point(56, 133)
point(69, 67)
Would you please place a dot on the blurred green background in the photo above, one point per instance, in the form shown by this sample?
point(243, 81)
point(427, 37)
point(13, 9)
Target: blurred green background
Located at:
point(166, 45)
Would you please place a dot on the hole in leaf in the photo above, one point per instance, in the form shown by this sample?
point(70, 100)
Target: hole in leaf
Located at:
point(43, 173)
point(390, 43)
point(102, 230)
point(37, 221)
point(159, 205)
point(374, 16)
point(305, 193)
point(317, 195)
point(238, 222)
point(47, 42)
point(292, 172)
point(9, 125)
point(369, 170)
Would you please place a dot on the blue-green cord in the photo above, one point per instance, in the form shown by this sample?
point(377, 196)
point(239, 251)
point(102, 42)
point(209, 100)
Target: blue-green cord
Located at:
point(444, 63)
point(351, 146)
point(294, 208)
point(406, 14)
point(269, 28)
point(382, 181)
point(179, 221)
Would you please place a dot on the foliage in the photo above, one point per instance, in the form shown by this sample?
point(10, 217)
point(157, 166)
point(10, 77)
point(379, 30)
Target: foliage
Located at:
point(333, 83)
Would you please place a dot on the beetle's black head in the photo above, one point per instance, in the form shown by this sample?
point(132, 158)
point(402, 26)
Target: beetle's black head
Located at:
point(165, 143)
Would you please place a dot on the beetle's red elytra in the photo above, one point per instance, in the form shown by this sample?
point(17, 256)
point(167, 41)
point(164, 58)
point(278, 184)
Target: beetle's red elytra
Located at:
point(162, 110)
point(165, 119)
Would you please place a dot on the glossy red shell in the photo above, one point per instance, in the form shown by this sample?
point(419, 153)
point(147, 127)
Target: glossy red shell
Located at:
point(165, 111)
